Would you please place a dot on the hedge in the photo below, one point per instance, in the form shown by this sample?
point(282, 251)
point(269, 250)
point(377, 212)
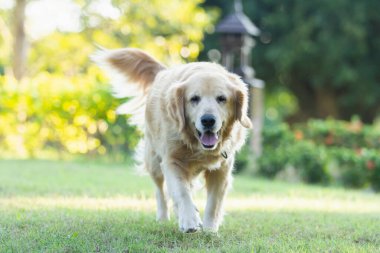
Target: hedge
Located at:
point(328, 152)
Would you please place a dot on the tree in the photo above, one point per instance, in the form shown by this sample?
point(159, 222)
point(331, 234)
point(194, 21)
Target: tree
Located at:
point(5, 41)
point(170, 35)
point(19, 40)
point(325, 52)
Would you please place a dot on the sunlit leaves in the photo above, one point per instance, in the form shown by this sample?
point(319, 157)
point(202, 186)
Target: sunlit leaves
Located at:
point(54, 115)
point(163, 28)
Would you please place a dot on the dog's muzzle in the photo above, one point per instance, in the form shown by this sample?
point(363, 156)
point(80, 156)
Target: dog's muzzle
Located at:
point(208, 137)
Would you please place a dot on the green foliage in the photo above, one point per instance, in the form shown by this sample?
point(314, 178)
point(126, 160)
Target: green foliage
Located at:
point(329, 151)
point(350, 164)
point(305, 157)
point(275, 156)
point(374, 166)
point(170, 35)
point(325, 52)
point(51, 115)
point(334, 133)
point(243, 159)
point(310, 162)
point(358, 167)
point(272, 162)
point(279, 105)
point(51, 53)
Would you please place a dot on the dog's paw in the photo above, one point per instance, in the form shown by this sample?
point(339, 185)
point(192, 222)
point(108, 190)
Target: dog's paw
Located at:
point(191, 226)
point(189, 221)
point(210, 228)
point(210, 225)
point(162, 217)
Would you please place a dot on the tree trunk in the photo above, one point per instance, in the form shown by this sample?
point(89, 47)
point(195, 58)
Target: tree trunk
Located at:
point(19, 43)
point(314, 103)
point(326, 103)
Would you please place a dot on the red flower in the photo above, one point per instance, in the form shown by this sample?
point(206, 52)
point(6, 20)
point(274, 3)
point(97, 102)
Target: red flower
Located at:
point(370, 165)
point(298, 135)
point(329, 140)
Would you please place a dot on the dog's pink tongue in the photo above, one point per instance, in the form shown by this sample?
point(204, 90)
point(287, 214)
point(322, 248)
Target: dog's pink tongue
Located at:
point(209, 139)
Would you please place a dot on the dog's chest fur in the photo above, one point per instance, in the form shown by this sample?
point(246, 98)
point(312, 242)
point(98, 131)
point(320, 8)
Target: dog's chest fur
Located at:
point(195, 162)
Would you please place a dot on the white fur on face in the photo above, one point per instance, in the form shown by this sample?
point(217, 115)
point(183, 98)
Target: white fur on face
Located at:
point(208, 89)
point(207, 105)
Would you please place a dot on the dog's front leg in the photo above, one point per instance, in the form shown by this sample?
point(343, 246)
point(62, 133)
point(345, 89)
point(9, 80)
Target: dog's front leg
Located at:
point(180, 191)
point(217, 183)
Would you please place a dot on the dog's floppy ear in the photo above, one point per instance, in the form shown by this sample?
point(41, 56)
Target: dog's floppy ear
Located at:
point(176, 105)
point(134, 65)
point(241, 108)
point(241, 101)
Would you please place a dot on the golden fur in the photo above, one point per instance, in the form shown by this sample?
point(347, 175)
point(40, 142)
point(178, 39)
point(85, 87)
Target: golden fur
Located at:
point(176, 101)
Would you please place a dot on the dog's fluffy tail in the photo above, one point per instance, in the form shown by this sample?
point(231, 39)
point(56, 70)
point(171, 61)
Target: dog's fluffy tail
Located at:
point(132, 72)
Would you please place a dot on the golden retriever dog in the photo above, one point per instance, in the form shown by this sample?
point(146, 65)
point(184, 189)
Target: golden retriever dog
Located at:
point(194, 119)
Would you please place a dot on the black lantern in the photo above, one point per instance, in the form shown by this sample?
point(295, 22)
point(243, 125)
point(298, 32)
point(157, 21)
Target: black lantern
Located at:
point(237, 32)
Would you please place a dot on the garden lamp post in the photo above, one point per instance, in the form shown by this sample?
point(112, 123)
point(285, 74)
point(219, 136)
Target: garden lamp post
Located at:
point(236, 44)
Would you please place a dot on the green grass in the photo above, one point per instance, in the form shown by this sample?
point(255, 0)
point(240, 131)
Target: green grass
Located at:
point(97, 207)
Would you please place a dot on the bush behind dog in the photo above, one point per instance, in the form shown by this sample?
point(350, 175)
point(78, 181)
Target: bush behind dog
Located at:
point(328, 152)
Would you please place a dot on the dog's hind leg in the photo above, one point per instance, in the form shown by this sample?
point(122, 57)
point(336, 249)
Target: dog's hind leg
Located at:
point(158, 178)
point(162, 203)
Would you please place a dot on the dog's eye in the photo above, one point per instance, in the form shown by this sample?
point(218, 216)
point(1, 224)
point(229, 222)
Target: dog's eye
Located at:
point(195, 99)
point(221, 99)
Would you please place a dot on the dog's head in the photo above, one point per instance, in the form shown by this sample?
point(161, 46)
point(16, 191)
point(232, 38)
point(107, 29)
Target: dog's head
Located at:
point(208, 103)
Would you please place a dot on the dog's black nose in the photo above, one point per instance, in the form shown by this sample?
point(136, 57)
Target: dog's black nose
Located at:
point(208, 120)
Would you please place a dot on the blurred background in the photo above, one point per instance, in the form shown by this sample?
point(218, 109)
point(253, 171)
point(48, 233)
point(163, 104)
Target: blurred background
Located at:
point(319, 60)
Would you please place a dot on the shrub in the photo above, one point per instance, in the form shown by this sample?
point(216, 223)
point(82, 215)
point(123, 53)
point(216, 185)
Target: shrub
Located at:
point(350, 167)
point(336, 133)
point(272, 162)
point(276, 138)
point(330, 151)
point(277, 134)
point(370, 163)
point(55, 115)
point(242, 159)
point(374, 166)
point(309, 161)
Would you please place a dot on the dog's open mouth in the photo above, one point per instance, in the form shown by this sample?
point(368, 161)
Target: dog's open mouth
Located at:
point(208, 139)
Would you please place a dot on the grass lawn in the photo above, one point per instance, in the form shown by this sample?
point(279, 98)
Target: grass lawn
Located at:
point(50, 206)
